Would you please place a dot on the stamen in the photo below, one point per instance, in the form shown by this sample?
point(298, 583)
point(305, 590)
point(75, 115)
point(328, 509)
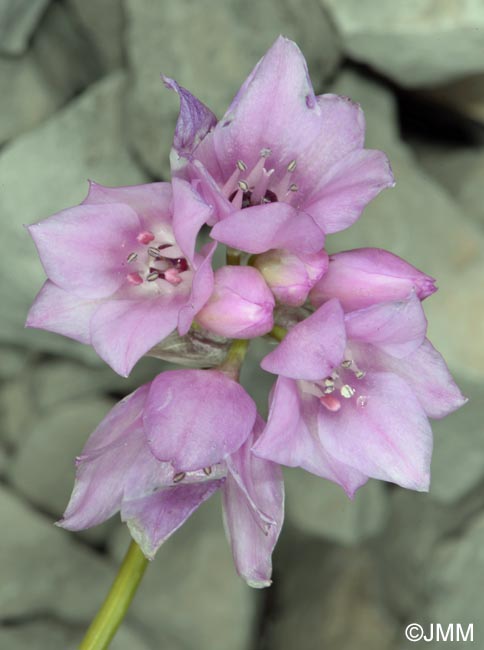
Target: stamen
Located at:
point(329, 382)
point(347, 391)
point(293, 187)
point(329, 389)
point(179, 476)
point(134, 278)
point(131, 257)
point(331, 402)
point(265, 152)
point(145, 237)
point(359, 374)
point(154, 275)
point(154, 252)
point(207, 471)
point(292, 166)
point(243, 185)
point(241, 165)
point(346, 363)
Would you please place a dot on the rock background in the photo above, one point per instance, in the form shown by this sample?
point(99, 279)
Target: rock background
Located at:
point(80, 97)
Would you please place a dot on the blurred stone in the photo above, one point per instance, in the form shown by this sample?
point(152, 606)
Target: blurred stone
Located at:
point(464, 96)
point(103, 23)
point(322, 508)
point(18, 20)
point(419, 221)
point(58, 64)
point(44, 571)
point(192, 589)
point(414, 43)
point(327, 598)
point(54, 635)
point(12, 361)
point(18, 409)
point(45, 171)
point(157, 43)
point(4, 462)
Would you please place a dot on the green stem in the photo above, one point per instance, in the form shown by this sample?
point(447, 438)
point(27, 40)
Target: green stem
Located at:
point(232, 256)
point(278, 332)
point(114, 608)
point(232, 363)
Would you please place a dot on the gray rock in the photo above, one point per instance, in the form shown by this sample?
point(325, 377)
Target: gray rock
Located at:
point(12, 361)
point(54, 635)
point(211, 68)
point(327, 598)
point(83, 141)
point(321, 508)
point(17, 409)
point(191, 588)
point(420, 222)
point(18, 20)
point(414, 43)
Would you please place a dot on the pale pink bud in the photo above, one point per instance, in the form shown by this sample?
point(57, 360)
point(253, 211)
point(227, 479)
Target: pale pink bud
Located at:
point(366, 276)
point(241, 304)
point(291, 276)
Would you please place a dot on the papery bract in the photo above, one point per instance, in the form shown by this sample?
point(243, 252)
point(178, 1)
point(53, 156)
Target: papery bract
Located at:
point(119, 469)
point(366, 276)
point(240, 306)
point(283, 166)
point(354, 395)
point(119, 279)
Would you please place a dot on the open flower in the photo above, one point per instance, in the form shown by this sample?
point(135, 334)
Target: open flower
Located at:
point(283, 166)
point(122, 269)
point(164, 450)
point(354, 395)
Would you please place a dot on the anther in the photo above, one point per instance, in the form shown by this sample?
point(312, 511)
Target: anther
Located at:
point(241, 165)
point(207, 471)
point(329, 382)
point(329, 389)
point(179, 476)
point(265, 152)
point(243, 185)
point(292, 166)
point(154, 275)
point(347, 391)
point(359, 374)
point(131, 257)
point(154, 252)
point(293, 187)
point(346, 363)
point(145, 237)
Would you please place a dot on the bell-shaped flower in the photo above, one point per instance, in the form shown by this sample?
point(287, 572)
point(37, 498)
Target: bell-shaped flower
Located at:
point(283, 166)
point(354, 395)
point(164, 450)
point(366, 276)
point(290, 276)
point(122, 269)
point(241, 305)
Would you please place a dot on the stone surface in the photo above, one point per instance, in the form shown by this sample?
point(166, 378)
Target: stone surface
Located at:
point(191, 587)
point(155, 46)
point(12, 361)
point(419, 221)
point(464, 96)
point(18, 20)
point(321, 508)
point(83, 141)
point(416, 43)
point(17, 409)
point(326, 598)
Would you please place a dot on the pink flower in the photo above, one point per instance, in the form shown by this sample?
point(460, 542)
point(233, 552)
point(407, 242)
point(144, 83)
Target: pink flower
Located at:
point(240, 306)
point(164, 450)
point(291, 276)
point(366, 276)
point(283, 166)
point(354, 395)
point(122, 269)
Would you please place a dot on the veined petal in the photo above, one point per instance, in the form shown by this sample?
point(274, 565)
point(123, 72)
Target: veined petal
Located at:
point(389, 438)
point(154, 518)
point(202, 287)
point(397, 327)
point(56, 310)
point(312, 348)
point(196, 418)
point(190, 212)
point(83, 249)
point(274, 225)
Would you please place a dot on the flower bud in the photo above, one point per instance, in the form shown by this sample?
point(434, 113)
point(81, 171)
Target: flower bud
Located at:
point(291, 276)
point(366, 276)
point(241, 304)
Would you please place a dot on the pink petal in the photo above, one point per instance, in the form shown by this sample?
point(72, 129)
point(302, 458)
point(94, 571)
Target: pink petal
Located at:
point(195, 418)
point(389, 438)
point(202, 287)
point(56, 310)
point(289, 440)
point(84, 249)
point(190, 212)
point(153, 519)
point(344, 191)
point(398, 327)
point(274, 225)
point(312, 348)
point(124, 330)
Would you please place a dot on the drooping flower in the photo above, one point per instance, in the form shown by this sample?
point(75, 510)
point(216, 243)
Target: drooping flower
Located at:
point(290, 276)
point(241, 305)
point(122, 269)
point(283, 166)
point(366, 276)
point(354, 395)
point(164, 450)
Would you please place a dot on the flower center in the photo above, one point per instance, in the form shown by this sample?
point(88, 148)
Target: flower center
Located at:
point(149, 264)
point(342, 384)
point(260, 185)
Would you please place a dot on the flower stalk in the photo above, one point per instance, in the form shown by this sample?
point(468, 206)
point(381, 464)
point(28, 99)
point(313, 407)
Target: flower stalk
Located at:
point(113, 610)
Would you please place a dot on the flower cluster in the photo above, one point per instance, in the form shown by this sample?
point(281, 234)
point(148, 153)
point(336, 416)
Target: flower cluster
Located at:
point(356, 378)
